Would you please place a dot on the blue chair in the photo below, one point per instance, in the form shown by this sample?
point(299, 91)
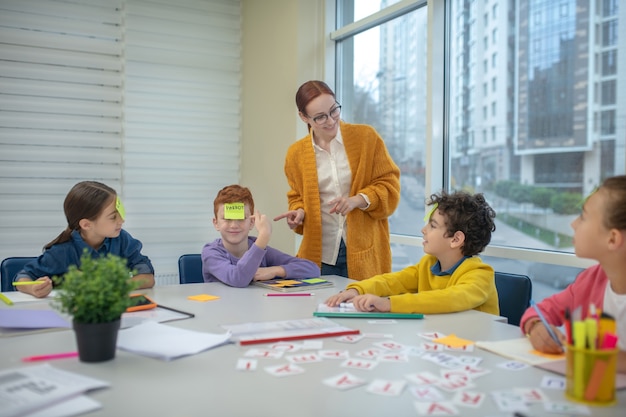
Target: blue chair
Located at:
point(10, 267)
point(514, 295)
point(190, 269)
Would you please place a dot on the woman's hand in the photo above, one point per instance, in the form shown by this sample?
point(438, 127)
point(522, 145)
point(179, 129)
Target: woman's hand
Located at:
point(294, 218)
point(344, 205)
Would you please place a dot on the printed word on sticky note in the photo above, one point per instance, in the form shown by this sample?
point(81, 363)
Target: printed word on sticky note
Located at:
point(120, 208)
point(234, 211)
point(203, 297)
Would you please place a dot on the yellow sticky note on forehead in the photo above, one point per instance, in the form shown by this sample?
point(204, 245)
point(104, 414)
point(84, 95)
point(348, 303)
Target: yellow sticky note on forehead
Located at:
point(234, 211)
point(120, 208)
point(430, 213)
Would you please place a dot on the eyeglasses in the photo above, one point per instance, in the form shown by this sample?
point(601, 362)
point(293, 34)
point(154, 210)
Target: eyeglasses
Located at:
point(322, 118)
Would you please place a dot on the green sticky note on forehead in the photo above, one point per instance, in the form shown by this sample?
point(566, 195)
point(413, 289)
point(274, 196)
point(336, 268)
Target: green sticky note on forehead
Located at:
point(120, 208)
point(234, 211)
point(430, 213)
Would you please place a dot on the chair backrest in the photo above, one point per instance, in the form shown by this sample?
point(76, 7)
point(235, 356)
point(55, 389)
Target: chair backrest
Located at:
point(514, 295)
point(190, 269)
point(10, 267)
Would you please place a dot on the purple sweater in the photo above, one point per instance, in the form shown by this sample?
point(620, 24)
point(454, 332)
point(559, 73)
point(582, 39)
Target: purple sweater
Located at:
point(219, 265)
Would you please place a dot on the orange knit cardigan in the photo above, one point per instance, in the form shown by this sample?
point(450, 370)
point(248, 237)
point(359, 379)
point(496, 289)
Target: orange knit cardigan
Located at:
point(374, 174)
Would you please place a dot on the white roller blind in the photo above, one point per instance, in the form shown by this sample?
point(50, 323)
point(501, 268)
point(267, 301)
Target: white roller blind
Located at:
point(141, 95)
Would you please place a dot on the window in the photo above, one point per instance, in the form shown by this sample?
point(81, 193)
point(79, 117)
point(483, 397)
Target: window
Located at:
point(609, 92)
point(144, 98)
point(609, 62)
point(609, 33)
point(539, 139)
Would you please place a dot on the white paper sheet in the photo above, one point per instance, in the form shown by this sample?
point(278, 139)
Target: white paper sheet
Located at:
point(32, 388)
point(166, 342)
point(20, 297)
point(72, 407)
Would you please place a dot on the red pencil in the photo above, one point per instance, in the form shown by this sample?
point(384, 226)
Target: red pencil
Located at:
point(568, 325)
point(291, 294)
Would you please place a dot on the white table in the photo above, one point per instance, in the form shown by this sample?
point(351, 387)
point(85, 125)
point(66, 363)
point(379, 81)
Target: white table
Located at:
point(208, 383)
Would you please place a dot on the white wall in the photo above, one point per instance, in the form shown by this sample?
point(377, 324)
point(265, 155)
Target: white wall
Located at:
point(283, 47)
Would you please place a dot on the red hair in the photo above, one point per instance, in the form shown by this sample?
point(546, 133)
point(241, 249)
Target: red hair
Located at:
point(233, 194)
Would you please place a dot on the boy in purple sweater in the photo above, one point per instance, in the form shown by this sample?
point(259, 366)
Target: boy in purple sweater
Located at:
point(238, 259)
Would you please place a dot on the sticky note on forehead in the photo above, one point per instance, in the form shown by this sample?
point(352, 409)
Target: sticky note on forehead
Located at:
point(120, 208)
point(430, 213)
point(234, 211)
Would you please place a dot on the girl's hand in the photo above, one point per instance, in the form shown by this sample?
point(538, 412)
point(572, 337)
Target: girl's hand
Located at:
point(541, 340)
point(39, 290)
point(370, 302)
point(342, 297)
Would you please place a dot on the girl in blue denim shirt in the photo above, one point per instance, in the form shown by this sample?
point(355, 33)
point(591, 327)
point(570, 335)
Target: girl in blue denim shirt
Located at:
point(95, 217)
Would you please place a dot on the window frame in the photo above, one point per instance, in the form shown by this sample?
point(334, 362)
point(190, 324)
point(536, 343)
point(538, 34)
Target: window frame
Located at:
point(437, 127)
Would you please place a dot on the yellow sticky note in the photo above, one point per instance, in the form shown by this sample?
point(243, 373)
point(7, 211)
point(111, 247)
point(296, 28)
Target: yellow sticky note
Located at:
point(120, 208)
point(430, 213)
point(234, 211)
point(203, 297)
point(453, 341)
point(313, 280)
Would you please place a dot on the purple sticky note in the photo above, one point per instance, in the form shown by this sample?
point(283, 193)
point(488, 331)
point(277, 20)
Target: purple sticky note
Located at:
point(31, 319)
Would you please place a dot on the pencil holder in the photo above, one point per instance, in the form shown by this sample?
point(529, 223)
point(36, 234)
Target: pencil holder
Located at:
point(590, 375)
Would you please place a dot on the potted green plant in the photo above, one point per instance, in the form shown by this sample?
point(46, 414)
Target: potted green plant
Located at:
point(96, 295)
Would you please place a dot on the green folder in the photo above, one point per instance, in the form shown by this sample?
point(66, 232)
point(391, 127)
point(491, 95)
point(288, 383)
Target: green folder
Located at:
point(369, 315)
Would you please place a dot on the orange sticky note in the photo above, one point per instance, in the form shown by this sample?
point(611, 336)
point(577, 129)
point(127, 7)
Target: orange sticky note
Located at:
point(203, 297)
point(554, 356)
point(453, 341)
point(286, 283)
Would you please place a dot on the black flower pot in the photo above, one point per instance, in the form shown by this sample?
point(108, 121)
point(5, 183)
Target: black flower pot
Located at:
point(96, 341)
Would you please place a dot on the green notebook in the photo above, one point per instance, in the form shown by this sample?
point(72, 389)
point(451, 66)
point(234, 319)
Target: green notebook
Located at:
point(367, 314)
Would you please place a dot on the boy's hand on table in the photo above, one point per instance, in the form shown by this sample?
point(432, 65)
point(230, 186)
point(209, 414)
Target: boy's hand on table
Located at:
point(370, 302)
point(342, 297)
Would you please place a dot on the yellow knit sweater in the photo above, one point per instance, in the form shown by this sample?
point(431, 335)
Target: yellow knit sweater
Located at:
point(374, 174)
point(416, 289)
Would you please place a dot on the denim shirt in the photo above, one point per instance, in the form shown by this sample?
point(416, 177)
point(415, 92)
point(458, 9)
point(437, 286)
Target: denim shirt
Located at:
point(56, 260)
point(436, 268)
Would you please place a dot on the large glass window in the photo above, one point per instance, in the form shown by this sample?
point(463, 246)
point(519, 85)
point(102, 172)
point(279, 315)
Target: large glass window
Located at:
point(536, 142)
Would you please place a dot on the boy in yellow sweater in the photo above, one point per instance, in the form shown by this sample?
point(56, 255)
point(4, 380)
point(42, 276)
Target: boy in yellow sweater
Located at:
point(449, 277)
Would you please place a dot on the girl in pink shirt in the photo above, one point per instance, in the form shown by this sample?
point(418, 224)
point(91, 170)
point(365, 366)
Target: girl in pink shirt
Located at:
point(600, 234)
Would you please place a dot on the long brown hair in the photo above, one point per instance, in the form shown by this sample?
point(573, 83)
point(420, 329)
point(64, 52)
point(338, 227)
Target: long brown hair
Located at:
point(86, 200)
point(309, 91)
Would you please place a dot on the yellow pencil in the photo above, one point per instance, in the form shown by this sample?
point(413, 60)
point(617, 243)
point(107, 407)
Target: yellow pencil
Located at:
point(6, 299)
point(27, 282)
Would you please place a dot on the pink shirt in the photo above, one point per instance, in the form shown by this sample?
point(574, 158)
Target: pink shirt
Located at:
point(588, 288)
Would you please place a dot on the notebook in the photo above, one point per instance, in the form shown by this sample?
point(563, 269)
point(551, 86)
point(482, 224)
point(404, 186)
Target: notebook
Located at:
point(292, 285)
point(348, 311)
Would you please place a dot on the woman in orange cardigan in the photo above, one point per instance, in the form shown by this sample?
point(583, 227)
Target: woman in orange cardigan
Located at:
point(344, 186)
